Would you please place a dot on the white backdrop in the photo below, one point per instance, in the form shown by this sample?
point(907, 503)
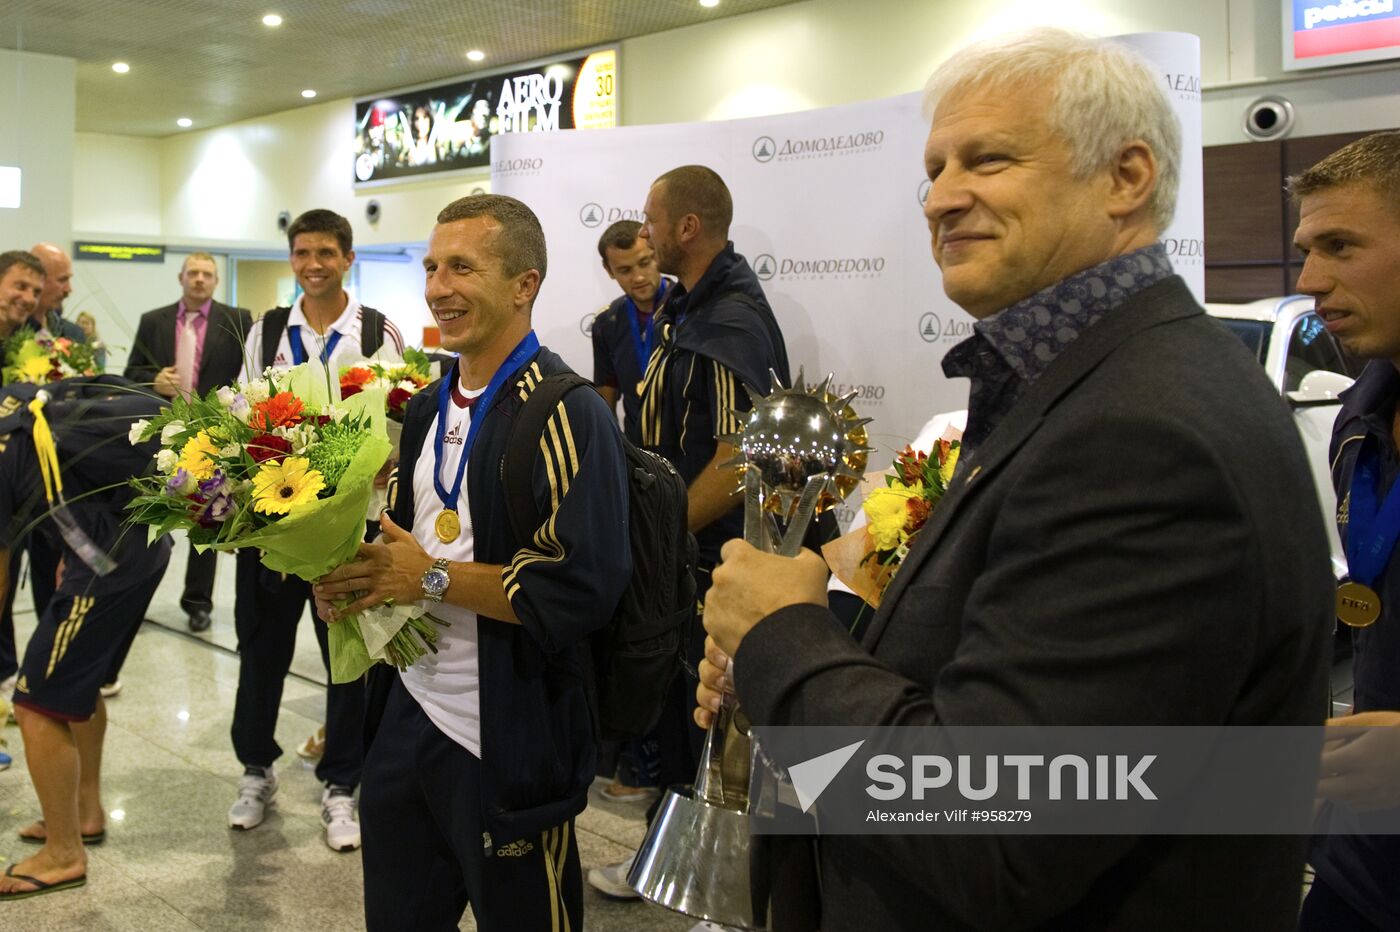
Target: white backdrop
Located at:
point(828, 210)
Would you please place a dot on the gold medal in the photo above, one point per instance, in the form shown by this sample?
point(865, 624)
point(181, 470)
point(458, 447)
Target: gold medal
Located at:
point(448, 525)
point(1357, 605)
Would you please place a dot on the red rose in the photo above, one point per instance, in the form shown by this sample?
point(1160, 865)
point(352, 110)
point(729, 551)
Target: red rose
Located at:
point(347, 389)
point(265, 447)
point(398, 400)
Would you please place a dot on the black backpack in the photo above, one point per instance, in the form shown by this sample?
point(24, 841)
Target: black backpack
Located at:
point(274, 322)
point(637, 654)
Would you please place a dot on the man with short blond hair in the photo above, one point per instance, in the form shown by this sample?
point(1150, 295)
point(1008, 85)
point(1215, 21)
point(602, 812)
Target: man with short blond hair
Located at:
point(192, 346)
point(1131, 537)
point(1349, 234)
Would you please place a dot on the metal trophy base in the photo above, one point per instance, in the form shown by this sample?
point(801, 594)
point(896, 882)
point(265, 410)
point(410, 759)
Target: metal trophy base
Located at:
point(695, 860)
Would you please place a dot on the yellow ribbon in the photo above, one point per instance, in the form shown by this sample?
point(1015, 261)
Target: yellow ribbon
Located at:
point(47, 450)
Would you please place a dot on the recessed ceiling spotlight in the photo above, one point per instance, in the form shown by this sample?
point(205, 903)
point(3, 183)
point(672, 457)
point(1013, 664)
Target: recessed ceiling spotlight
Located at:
point(308, 93)
point(185, 122)
point(272, 19)
point(476, 55)
point(120, 67)
point(709, 3)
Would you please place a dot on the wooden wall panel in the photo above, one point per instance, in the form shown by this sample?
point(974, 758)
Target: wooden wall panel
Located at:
point(1243, 206)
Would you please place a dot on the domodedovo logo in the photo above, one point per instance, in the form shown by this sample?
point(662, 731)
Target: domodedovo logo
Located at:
point(766, 267)
point(508, 168)
point(594, 214)
point(767, 149)
point(936, 328)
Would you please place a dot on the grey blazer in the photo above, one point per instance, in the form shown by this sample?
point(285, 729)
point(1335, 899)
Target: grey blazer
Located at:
point(1137, 543)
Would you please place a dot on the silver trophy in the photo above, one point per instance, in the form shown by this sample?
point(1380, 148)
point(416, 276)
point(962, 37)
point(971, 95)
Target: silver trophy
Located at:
point(801, 452)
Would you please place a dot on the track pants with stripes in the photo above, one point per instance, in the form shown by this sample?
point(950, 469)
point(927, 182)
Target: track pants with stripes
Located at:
point(426, 854)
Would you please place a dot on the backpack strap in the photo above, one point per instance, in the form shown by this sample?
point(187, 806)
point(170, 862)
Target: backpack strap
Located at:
point(274, 324)
point(523, 445)
point(371, 331)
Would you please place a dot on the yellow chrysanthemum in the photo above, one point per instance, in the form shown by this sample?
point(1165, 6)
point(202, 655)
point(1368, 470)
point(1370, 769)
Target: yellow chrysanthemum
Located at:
point(197, 456)
point(278, 487)
point(945, 471)
point(887, 513)
point(35, 370)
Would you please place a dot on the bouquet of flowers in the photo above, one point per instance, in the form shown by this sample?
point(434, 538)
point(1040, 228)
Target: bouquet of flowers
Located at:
point(276, 465)
point(399, 381)
point(40, 358)
point(867, 558)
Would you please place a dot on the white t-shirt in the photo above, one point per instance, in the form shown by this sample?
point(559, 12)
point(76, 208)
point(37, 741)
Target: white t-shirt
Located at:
point(348, 325)
point(447, 684)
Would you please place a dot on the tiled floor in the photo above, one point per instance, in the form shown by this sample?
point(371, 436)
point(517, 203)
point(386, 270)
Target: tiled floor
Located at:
point(170, 861)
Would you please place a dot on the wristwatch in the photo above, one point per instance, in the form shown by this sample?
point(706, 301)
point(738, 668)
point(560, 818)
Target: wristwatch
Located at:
point(436, 581)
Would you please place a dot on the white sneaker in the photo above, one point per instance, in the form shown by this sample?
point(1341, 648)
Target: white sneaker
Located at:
point(612, 880)
point(338, 815)
point(255, 793)
point(111, 689)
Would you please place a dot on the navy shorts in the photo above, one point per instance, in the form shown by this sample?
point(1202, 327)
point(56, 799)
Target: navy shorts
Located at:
point(72, 649)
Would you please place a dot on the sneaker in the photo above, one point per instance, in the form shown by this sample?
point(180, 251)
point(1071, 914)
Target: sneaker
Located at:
point(612, 880)
point(256, 791)
point(111, 689)
point(5, 761)
point(338, 815)
point(314, 747)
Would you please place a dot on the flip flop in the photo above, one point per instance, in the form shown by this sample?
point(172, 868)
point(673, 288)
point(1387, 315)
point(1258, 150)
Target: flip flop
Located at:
point(96, 838)
point(40, 888)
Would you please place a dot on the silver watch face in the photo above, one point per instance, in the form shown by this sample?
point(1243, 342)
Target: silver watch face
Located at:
point(435, 582)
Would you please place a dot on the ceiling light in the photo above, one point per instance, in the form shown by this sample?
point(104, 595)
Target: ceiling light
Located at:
point(272, 19)
point(184, 121)
point(120, 67)
point(476, 55)
point(308, 93)
point(709, 3)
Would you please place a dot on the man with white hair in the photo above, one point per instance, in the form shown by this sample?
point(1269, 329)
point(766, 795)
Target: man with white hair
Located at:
point(1131, 537)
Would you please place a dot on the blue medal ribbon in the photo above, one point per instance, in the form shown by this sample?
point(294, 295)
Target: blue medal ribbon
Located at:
point(299, 351)
point(523, 353)
point(643, 342)
point(1373, 528)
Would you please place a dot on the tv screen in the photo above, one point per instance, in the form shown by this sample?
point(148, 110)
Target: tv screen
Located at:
point(1318, 34)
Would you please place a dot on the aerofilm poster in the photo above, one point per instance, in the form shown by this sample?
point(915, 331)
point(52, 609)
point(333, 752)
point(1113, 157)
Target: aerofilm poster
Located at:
point(449, 127)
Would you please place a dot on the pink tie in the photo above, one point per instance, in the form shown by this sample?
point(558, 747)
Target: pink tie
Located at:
point(184, 354)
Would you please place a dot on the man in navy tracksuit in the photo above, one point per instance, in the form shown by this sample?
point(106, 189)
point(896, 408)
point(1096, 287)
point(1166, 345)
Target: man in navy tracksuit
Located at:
point(482, 753)
point(107, 576)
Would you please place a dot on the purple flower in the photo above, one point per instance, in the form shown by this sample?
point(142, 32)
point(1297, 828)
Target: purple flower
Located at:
point(215, 498)
point(180, 484)
point(213, 486)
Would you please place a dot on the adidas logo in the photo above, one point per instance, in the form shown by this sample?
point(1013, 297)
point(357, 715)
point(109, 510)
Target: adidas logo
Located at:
point(516, 849)
point(454, 436)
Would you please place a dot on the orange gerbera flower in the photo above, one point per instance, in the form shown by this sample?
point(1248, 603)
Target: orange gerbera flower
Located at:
point(357, 375)
point(281, 410)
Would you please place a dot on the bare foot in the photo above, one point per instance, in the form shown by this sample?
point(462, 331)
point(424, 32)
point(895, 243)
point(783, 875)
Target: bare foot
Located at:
point(37, 831)
point(42, 866)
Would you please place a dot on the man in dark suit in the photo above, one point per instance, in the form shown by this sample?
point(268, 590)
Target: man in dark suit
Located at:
point(193, 345)
point(1131, 536)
